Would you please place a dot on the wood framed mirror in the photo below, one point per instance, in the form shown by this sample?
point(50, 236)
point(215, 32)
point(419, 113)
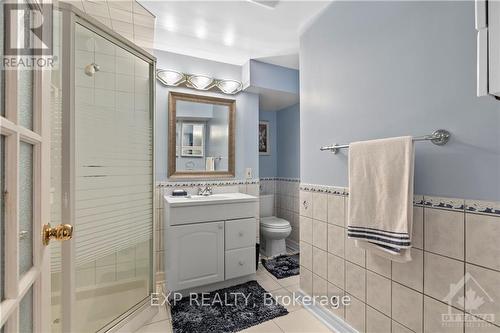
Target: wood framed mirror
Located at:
point(201, 136)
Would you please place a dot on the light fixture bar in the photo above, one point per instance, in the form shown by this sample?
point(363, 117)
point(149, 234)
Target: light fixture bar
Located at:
point(172, 78)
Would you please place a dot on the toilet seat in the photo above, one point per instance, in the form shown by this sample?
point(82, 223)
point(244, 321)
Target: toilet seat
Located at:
point(274, 222)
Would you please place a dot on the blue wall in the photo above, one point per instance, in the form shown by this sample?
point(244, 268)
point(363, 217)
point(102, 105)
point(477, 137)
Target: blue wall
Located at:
point(380, 69)
point(268, 76)
point(268, 166)
point(288, 142)
point(284, 127)
point(247, 111)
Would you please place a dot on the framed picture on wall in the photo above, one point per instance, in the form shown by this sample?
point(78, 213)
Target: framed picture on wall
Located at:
point(264, 148)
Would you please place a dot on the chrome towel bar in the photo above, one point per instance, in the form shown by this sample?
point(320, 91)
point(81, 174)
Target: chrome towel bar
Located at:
point(439, 137)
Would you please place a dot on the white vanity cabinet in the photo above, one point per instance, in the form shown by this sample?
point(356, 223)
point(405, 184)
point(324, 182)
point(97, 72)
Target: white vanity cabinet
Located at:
point(209, 240)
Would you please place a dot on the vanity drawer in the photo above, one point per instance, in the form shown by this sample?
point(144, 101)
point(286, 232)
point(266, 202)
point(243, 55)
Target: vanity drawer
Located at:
point(240, 262)
point(240, 233)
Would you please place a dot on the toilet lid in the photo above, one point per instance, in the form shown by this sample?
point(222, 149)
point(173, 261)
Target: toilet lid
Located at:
point(274, 222)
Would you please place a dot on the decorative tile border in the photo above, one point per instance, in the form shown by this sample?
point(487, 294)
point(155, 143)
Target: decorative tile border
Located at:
point(482, 207)
point(418, 200)
point(469, 206)
point(444, 203)
point(284, 179)
point(454, 204)
point(208, 182)
point(324, 189)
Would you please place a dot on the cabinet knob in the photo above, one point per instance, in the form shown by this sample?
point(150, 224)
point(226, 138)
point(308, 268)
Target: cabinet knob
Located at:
point(241, 263)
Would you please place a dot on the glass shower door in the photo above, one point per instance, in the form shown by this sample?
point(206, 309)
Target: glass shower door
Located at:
point(113, 202)
point(106, 186)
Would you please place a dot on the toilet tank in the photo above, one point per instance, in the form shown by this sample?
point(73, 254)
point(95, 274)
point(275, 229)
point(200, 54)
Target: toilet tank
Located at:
point(266, 205)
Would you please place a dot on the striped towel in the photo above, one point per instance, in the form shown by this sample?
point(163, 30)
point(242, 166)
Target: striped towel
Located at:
point(381, 196)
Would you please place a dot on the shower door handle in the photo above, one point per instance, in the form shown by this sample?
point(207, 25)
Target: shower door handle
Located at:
point(61, 232)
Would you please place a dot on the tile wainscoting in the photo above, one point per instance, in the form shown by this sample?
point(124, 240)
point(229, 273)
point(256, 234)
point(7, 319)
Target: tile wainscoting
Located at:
point(286, 203)
point(250, 186)
point(456, 260)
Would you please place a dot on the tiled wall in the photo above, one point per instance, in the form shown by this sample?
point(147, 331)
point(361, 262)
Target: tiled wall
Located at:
point(122, 266)
point(165, 188)
point(126, 17)
point(286, 204)
point(452, 239)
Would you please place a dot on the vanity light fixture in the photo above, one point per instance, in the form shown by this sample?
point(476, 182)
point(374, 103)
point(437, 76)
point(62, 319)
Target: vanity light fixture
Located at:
point(169, 77)
point(173, 78)
point(200, 82)
point(230, 87)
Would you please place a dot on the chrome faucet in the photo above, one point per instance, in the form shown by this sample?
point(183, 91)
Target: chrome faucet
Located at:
point(205, 191)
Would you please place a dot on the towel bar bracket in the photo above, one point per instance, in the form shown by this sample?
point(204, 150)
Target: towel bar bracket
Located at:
point(440, 137)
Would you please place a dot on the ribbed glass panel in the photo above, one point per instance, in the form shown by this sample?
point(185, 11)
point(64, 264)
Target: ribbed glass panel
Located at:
point(2, 38)
point(25, 207)
point(25, 85)
point(26, 313)
point(2, 215)
point(25, 98)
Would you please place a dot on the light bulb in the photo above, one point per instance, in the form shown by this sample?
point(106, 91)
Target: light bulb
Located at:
point(200, 82)
point(170, 77)
point(229, 86)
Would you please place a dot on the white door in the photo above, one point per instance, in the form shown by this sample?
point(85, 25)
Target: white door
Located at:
point(197, 254)
point(24, 206)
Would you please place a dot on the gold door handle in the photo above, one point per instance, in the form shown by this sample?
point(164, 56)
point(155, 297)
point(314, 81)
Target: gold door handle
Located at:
point(61, 232)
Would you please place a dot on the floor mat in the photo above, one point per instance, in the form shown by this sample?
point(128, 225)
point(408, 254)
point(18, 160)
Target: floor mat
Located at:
point(283, 266)
point(225, 310)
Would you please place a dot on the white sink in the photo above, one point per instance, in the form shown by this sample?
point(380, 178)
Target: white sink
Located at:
point(209, 197)
point(215, 207)
point(195, 200)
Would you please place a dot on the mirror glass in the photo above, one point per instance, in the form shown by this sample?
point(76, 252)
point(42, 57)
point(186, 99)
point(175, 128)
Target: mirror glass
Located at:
point(202, 135)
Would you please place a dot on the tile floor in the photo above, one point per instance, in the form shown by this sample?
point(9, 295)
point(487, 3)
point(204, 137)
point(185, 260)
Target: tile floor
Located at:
point(298, 319)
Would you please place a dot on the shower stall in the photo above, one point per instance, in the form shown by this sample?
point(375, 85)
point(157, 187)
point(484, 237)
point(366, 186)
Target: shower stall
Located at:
point(102, 179)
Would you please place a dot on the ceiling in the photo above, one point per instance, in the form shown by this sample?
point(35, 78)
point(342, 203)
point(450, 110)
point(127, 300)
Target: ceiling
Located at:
point(233, 31)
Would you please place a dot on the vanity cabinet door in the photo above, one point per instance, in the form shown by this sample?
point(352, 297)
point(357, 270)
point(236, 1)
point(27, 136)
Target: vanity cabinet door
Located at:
point(197, 256)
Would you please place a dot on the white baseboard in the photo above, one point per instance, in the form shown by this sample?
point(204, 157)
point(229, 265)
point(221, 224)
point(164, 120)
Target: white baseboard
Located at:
point(334, 323)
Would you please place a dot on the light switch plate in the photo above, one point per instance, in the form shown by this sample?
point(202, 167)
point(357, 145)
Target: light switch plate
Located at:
point(248, 173)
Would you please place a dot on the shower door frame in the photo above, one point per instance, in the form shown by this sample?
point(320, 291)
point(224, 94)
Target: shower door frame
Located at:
point(71, 16)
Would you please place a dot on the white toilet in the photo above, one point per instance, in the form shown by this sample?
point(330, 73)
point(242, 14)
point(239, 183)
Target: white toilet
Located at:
point(273, 230)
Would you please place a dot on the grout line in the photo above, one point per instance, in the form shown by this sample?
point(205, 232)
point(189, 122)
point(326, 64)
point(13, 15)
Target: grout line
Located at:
point(279, 327)
point(390, 300)
point(441, 301)
point(423, 267)
point(464, 265)
point(403, 326)
point(366, 287)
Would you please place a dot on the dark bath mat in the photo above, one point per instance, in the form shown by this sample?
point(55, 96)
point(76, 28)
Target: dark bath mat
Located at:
point(225, 310)
point(283, 266)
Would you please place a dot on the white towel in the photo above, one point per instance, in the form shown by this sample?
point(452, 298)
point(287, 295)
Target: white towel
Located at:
point(380, 210)
point(210, 164)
